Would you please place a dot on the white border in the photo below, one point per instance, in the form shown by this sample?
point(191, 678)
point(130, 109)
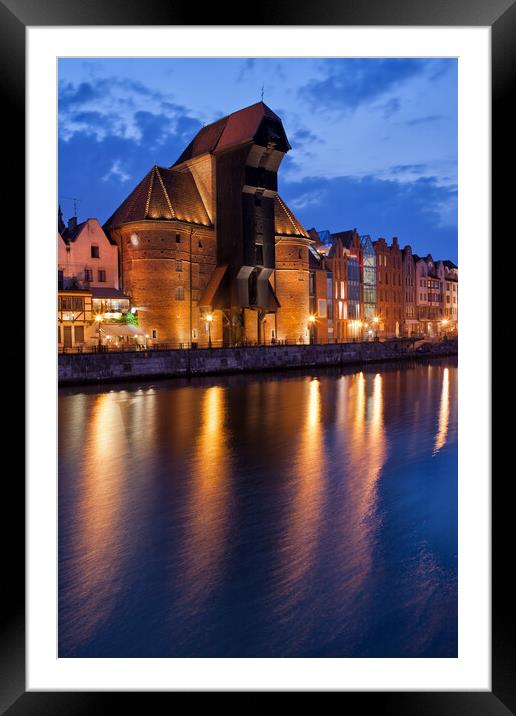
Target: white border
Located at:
point(471, 670)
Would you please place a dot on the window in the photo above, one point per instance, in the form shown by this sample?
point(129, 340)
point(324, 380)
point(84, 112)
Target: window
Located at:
point(200, 244)
point(59, 334)
point(79, 334)
point(60, 279)
point(178, 238)
point(259, 255)
point(180, 293)
point(71, 303)
point(154, 333)
point(88, 274)
point(95, 252)
point(179, 265)
point(102, 276)
point(321, 307)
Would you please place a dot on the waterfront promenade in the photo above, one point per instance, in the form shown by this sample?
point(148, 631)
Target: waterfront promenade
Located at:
point(101, 367)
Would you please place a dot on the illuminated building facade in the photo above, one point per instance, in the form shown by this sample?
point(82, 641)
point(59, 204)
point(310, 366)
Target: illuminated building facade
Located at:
point(410, 319)
point(87, 281)
point(368, 278)
point(389, 304)
point(208, 249)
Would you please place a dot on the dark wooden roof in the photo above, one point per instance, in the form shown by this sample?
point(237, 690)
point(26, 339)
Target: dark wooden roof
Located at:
point(163, 194)
point(236, 128)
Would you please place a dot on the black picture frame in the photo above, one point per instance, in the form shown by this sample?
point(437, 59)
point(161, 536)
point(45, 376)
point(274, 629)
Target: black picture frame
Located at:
point(500, 15)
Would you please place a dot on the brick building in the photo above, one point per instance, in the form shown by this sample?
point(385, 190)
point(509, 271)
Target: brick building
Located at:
point(389, 293)
point(208, 249)
point(410, 325)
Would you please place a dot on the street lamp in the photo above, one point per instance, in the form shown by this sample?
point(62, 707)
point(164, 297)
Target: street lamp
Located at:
point(376, 321)
point(98, 319)
point(311, 324)
point(209, 318)
point(444, 324)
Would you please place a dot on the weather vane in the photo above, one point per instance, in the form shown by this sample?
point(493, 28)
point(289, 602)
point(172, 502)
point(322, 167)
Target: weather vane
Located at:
point(263, 88)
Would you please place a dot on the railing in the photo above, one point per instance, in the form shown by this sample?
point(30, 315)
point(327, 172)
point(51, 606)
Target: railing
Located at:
point(216, 345)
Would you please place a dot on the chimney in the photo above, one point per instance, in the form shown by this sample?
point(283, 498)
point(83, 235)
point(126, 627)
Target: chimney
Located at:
point(72, 223)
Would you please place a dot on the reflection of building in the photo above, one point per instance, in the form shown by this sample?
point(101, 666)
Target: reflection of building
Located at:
point(210, 237)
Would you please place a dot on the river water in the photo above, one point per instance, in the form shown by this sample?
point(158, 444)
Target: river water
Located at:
point(294, 514)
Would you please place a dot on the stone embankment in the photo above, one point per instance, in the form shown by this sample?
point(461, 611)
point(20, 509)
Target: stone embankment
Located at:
point(115, 366)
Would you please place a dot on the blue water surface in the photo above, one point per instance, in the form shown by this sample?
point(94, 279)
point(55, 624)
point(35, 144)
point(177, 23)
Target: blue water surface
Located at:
point(294, 514)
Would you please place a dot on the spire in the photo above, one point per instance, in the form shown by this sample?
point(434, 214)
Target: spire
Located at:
point(60, 223)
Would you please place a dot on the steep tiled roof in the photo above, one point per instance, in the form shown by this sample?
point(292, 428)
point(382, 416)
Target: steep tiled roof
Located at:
point(71, 233)
point(286, 223)
point(236, 128)
point(162, 194)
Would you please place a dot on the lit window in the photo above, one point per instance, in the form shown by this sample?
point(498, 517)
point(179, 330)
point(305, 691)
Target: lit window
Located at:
point(180, 293)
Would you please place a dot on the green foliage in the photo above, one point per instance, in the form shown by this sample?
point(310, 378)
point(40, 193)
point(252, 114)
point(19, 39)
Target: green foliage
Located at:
point(129, 318)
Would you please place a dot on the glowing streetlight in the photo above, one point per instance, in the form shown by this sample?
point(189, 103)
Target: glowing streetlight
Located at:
point(311, 324)
point(98, 319)
point(209, 318)
point(376, 321)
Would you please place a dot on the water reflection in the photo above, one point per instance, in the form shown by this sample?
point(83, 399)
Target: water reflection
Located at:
point(208, 503)
point(96, 558)
point(367, 452)
point(261, 516)
point(444, 412)
point(303, 524)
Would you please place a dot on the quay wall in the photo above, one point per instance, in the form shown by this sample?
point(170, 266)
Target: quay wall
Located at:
point(76, 368)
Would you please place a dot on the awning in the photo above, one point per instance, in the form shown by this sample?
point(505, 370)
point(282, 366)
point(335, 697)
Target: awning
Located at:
point(209, 293)
point(121, 329)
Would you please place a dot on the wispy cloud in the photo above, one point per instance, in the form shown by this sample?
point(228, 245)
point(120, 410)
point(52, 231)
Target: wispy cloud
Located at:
point(345, 85)
point(116, 172)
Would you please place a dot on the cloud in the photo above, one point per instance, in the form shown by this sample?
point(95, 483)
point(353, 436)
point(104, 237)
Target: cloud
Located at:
point(113, 106)
point(246, 69)
point(347, 84)
point(307, 199)
point(421, 212)
point(116, 172)
point(423, 120)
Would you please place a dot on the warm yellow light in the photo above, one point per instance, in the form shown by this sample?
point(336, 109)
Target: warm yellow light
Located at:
point(99, 317)
point(444, 321)
point(376, 319)
point(209, 317)
point(311, 318)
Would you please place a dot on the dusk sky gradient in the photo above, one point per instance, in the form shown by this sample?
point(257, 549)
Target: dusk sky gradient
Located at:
point(374, 141)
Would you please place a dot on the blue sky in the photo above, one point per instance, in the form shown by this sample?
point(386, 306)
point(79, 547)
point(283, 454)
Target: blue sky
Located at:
point(374, 141)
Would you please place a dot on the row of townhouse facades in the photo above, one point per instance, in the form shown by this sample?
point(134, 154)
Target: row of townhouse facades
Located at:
point(206, 252)
point(361, 288)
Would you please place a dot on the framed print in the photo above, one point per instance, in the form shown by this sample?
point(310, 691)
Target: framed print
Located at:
point(273, 463)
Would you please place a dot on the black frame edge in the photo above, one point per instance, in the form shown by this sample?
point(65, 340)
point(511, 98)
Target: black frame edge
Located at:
point(502, 699)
